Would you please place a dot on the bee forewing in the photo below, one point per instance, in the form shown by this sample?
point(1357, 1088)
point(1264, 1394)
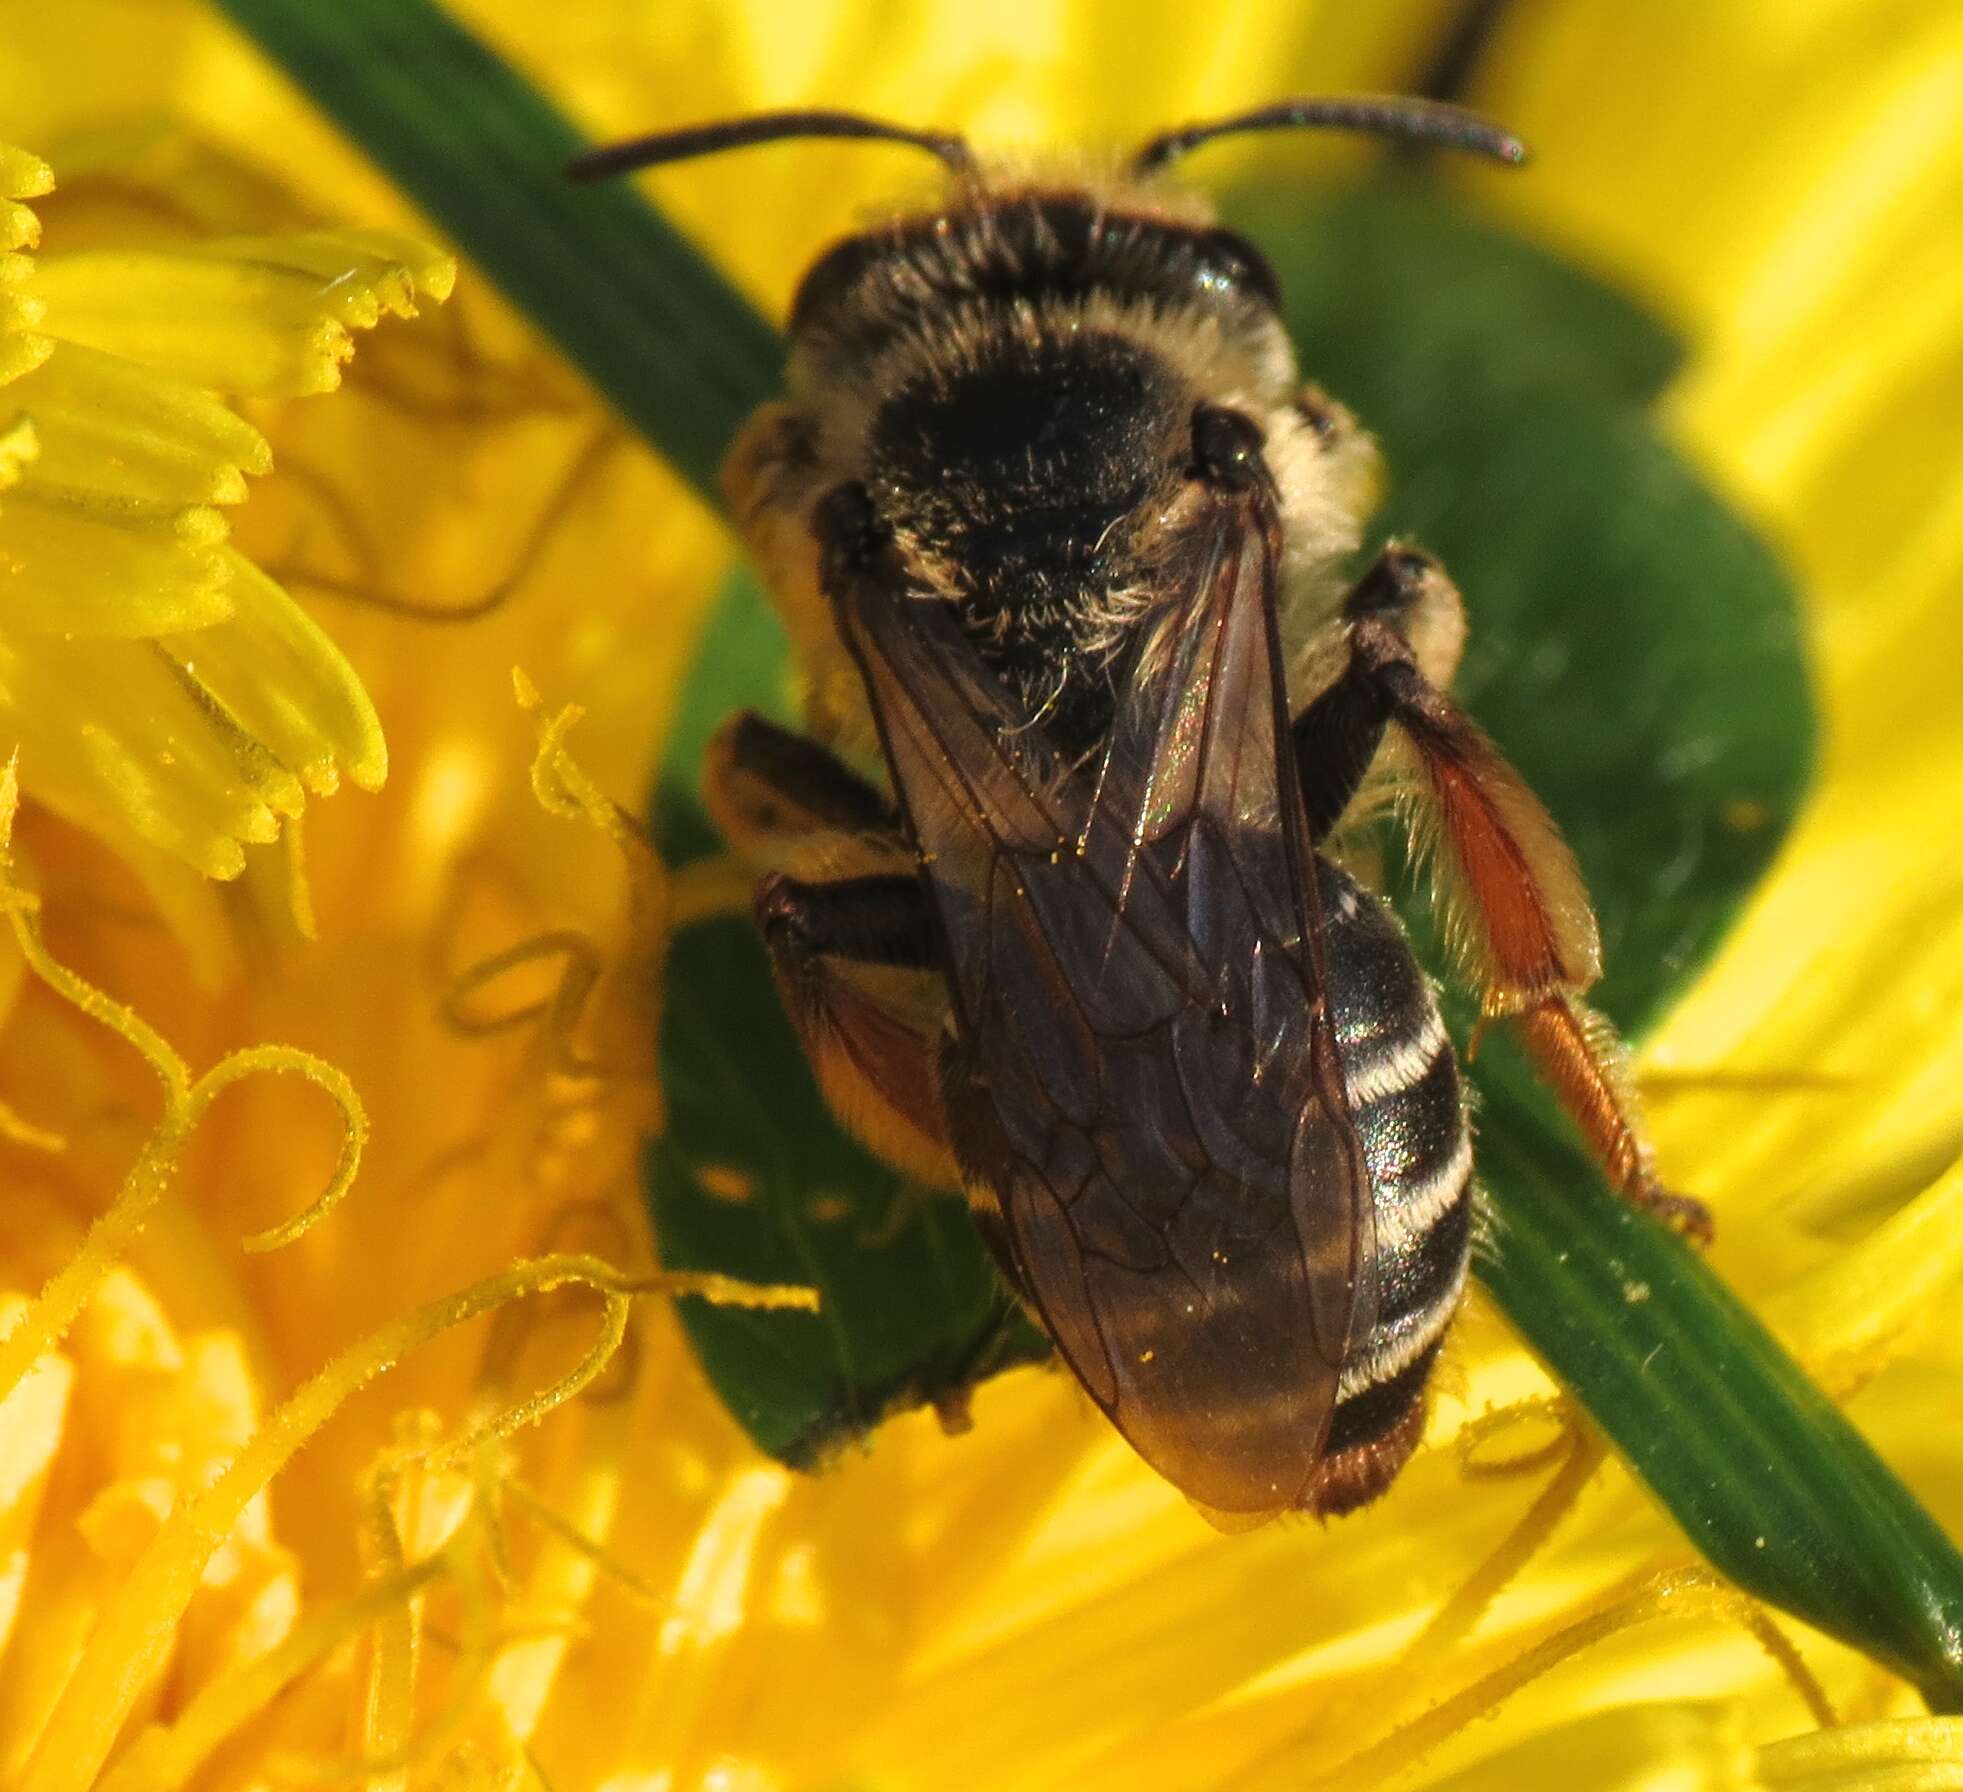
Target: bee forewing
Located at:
point(1145, 1080)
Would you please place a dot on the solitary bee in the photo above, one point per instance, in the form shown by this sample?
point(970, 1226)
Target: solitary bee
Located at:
point(1059, 534)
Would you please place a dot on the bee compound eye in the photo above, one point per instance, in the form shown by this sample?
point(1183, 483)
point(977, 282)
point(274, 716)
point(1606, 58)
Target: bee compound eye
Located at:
point(1226, 446)
point(847, 525)
point(1241, 266)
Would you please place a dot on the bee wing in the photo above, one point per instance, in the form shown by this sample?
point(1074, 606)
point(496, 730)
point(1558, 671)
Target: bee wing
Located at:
point(1145, 1078)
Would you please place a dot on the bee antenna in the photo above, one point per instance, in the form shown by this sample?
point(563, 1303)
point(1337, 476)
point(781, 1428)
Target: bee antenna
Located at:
point(761, 127)
point(1408, 120)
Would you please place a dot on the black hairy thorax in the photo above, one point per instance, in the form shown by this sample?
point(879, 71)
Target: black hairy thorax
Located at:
point(1020, 483)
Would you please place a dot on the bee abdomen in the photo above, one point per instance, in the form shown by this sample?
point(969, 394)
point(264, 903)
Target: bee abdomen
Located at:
point(1403, 1084)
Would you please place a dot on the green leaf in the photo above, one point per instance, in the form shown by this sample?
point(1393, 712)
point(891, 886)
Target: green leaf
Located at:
point(754, 1178)
point(667, 340)
point(1633, 647)
point(1763, 1472)
point(1634, 651)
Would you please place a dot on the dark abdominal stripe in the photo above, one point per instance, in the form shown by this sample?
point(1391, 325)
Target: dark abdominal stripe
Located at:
point(1405, 1102)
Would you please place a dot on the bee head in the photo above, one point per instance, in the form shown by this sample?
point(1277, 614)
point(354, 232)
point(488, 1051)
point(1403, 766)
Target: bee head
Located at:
point(994, 243)
point(1010, 380)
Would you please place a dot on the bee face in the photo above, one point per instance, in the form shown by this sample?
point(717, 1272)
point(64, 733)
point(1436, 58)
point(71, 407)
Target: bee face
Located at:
point(1059, 536)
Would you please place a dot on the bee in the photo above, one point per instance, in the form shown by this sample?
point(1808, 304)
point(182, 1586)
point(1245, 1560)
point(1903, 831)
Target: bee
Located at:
point(1060, 536)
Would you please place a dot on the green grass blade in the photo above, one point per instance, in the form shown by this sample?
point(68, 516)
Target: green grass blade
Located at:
point(629, 300)
point(1765, 1475)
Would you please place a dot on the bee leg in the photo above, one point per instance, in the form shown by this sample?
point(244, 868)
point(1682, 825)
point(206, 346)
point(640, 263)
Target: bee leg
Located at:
point(767, 789)
point(1520, 916)
point(1338, 734)
point(841, 951)
point(883, 919)
point(851, 941)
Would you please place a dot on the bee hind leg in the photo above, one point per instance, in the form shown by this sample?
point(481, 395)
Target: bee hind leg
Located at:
point(1520, 920)
point(1337, 736)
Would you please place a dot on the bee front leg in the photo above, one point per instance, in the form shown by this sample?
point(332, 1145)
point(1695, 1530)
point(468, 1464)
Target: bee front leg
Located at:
point(883, 919)
point(1519, 917)
point(770, 790)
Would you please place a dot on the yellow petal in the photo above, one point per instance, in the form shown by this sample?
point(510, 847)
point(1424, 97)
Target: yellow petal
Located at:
point(112, 426)
point(73, 564)
point(1686, 1747)
point(114, 463)
point(33, 1416)
point(19, 444)
point(282, 680)
point(153, 757)
point(266, 316)
point(20, 350)
point(120, 1523)
point(1870, 1303)
point(1922, 1754)
point(21, 313)
point(23, 176)
point(363, 274)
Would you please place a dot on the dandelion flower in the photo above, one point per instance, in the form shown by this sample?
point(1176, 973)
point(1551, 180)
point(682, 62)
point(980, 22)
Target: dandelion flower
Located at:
point(536, 1550)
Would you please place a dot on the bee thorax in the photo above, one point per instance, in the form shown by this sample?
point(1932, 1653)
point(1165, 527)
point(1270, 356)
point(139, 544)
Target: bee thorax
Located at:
point(1023, 483)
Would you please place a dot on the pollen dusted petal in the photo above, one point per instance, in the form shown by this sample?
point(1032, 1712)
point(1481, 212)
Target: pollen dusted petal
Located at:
point(20, 351)
point(21, 348)
point(147, 755)
point(166, 693)
point(126, 431)
point(268, 316)
point(363, 275)
point(282, 679)
point(23, 176)
point(19, 227)
point(20, 443)
point(77, 564)
point(21, 312)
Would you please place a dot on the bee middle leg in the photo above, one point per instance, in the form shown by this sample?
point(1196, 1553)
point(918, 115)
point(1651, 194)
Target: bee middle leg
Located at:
point(849, 932)
point(1522, 920)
